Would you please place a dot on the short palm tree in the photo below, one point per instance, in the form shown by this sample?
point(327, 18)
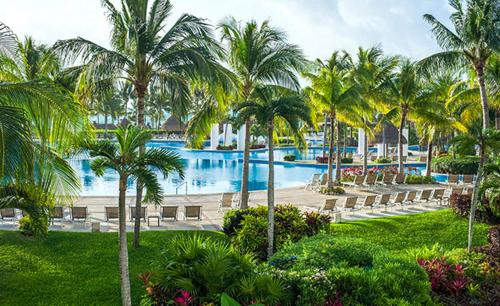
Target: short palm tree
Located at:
point(258, 55)
point(123, 156)
point(333, 93)
point(145, 52)
point(473, 41)
point(268, 106)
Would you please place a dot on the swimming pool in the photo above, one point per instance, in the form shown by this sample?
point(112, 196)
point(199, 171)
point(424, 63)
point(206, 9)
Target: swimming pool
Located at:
point(209, 171)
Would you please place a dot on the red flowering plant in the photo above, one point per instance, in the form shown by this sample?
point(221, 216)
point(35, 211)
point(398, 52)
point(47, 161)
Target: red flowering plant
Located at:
point(445, 278)
point(184, 299)
point(349, 173)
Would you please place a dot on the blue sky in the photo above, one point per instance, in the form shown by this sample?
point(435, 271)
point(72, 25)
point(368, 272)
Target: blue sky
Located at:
point(317, 26)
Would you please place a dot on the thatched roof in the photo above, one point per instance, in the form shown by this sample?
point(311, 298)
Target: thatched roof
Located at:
point(391, 136)
point(173, 125)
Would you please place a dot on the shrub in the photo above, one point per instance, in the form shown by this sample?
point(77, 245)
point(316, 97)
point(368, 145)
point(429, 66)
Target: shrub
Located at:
point(383, 160)
point(418, 179)
point(332, 190)
point(323, 268)
point(460, 203)
point(289, 157)
point(248, 227)
point(450, 165)
point(199, 270)
point(321, 159)
point(28, 227)
point(228, 148)
point(257, 146)
point(445, 278)
point(316, 222)
point(347, 160)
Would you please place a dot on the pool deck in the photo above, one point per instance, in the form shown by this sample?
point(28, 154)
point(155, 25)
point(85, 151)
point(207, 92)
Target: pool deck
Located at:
point(212, 219)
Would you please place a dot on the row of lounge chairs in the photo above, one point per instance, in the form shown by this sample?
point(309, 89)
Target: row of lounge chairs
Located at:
point(371, 180)
point(386, 200)
point(465, 179)
point(80, 213)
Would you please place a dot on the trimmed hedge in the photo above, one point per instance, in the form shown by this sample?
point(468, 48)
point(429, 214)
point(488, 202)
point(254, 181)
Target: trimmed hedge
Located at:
point(289, 157)
point(450, 165)
point(327, 270)
point(419, 179)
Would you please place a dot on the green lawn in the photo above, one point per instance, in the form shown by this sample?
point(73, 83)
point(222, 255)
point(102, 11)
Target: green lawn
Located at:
point(82, 268)
point(411, 231)
point(73, 268)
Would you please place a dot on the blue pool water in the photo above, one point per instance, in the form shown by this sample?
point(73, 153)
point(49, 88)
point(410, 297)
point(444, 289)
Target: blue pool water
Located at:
point(209, 171)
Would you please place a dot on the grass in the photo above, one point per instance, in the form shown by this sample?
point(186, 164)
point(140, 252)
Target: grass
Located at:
point(82, 268)
point(74, 268)
point(398, 234)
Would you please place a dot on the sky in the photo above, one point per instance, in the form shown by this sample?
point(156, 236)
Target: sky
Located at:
point(318, 26)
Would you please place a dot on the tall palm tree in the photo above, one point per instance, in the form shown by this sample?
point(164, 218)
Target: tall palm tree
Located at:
point(145, 52)
point(258, 55)
point(125, 158)
point(267, 107)
point(333, 93)
point(473, 41)
point(370, 70)
point(406, 98)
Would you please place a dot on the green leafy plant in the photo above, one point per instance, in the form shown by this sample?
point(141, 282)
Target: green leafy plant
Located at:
point(347, 160)
point(419, 179)
point(289, 157)
point(450, 165)
point(383, 160)
point(333, 190)
point(324, 268)
point(206, 269)
point(27, 227)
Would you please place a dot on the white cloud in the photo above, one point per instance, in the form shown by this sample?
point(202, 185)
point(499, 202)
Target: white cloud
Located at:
point(318, 26)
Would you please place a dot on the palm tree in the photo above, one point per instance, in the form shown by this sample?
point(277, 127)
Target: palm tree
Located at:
point(125, 158)
point(370, 71)
point(144, 52)
point(333, 93)
point(406, 98)
point(474, 40)
point(34, 176)
point(258, 55)
point(267, 107)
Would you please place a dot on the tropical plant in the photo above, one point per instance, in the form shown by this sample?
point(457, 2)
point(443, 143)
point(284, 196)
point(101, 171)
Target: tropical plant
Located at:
point(206, 268)
point(144, 52)
point(370, 71)
point(473, 41)
point(258, 55)
point(333, 93)
point(34, 176)
point(124, 157)
point(271, 105)
point(407, 99)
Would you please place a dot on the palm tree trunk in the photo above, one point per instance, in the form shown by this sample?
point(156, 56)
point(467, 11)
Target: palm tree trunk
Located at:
point(246, 167)
point(475, 197)
point(339, 158)
point(330, 150)
point(484, 97)
point(123, 253)
point(105, 125)
point(270, 193)
point(400, 143)
point(325, 134)
point(365, 154)
point(497, 120)
point(384, 140)
point(141, 92)
point(429, 158)
point(344, 153)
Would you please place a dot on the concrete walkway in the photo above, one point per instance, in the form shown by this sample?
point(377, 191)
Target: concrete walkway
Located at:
point(212, 219)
